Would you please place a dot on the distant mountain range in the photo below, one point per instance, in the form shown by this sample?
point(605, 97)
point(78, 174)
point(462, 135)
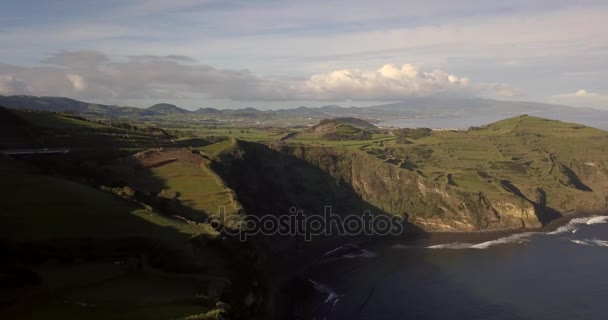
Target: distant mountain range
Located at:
point(411, 108)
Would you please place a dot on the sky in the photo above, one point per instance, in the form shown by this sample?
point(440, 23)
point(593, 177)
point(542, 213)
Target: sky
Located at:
point(282, 54)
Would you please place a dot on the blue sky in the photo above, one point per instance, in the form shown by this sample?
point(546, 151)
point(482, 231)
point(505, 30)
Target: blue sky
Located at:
point(270, 54)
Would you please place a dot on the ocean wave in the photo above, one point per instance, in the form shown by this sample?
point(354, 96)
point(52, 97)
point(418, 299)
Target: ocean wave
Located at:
point(516, 238)
point(591, 242)
point(349, 251)
point(572, 226)
point(596, 220)
point(362, 254)
point(453, 245)
point(332, 296)
point(339, 250)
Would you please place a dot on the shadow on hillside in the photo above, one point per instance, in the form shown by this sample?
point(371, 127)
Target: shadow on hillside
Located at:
point(544, 213)
point(270, 182)
point(72, 239)
point(574, 179)
point(74, 222)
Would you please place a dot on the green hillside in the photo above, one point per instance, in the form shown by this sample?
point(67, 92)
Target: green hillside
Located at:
point(341, 129)
point(103, 237)
point(126, 210)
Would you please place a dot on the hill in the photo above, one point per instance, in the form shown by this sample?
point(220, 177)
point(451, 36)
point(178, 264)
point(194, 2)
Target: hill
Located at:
point(93, 232)
point(61, 104)
point(343, 129)
point(76, 250)
point(166, 110)
point(355, 122)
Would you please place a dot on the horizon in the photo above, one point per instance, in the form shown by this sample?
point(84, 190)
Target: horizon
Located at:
point(311, 106)
point(279, 54)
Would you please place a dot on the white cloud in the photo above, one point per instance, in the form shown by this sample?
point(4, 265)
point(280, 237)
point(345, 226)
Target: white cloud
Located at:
point(390, 82)
point(582, 98)
point(77, 81)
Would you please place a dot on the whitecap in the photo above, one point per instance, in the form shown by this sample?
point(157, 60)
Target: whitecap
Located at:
point(591, 242)
point(333, 252)
point(333, 306)
point(581, 242)
point(452, 245)
point(332, 296)
point(572, 225)
point(349, 251)
point(363, 254)
point(596, 220)
point(516, 238)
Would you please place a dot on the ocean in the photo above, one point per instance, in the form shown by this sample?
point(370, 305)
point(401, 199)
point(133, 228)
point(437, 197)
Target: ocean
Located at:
point(557, 275)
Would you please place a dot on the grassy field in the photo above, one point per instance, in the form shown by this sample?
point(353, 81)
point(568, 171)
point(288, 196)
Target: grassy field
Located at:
point(59, 309)
point(247, 134)
point(378, 139)
point(180, 174)
point(112, 290)
point(38, 208)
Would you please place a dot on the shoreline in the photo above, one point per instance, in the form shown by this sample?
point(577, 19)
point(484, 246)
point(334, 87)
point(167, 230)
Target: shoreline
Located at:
point(296, 278)
point(444, 237)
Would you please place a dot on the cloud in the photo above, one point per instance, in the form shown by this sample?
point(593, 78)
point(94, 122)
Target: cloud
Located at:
point(93, 75)
point(9, 84)
point(500, 89)
point(173, 57)
point(582, 98)
point(83, 58)
point(77, 81)
point(390, 82)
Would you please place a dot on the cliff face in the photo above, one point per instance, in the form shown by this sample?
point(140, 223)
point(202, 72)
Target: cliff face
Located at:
point(428, 204)
point(273, 179)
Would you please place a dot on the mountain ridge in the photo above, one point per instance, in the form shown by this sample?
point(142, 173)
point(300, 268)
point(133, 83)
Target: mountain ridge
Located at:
point(410, 108)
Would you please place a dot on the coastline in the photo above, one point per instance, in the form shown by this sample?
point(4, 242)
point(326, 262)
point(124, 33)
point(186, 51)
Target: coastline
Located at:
point(439, 237)
point(295, 281)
